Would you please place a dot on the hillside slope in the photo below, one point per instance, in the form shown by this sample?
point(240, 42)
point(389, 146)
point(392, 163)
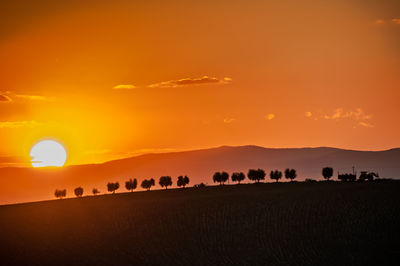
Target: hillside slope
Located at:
point(326, 223)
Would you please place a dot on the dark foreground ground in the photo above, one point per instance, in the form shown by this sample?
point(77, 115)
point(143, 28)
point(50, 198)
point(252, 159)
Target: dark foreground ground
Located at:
point(266, 224)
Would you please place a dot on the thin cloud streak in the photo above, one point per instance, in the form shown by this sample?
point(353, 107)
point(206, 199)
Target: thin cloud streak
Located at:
point(19, 124)
point(32, 97)
point(190, 81)
point(365, 124)
point(393, 20)
point(229, 120)
point(396, 21)
point(10, 96)
point(124, 87)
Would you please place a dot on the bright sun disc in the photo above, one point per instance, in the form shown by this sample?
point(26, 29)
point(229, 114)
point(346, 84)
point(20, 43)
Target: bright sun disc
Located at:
point(48, 153)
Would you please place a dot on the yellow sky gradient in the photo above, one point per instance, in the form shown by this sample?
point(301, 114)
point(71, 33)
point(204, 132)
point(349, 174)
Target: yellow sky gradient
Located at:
point(111, 79)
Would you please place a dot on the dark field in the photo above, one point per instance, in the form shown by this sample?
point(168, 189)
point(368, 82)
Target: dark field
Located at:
point(325, 223)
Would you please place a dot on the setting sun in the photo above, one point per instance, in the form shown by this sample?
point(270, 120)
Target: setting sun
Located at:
point(168, 132)
point(48, 153)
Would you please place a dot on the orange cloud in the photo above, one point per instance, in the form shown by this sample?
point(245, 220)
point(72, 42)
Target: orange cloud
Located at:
point(358, 115)
point(229, 120)
point(124, 87)
point(270, 116)
point(190, 81)
point(379, 21)
point(308, 114)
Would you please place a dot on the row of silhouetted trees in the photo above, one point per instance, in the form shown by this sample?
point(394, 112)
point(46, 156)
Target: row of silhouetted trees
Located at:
point(258, 175)
point(131, 184)
point(255, 175)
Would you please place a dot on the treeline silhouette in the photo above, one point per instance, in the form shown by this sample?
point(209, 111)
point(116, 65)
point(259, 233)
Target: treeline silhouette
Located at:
point(255, 175)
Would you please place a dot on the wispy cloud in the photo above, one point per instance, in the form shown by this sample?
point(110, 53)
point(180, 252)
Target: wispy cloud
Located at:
point(229, 120)
point(308, 114)
point(388, 21)
point(113, 154)
point(339, 113)
point(190, 81)
point(357, 115)
point(4, 98)
point(11, 95)
point(124, 87)
point(270, 116)
point(396, 21)
point(18, 124)
point(365, 124)
point(31, 97)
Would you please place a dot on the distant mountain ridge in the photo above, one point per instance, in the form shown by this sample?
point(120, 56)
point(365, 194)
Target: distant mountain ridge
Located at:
point(28, 184)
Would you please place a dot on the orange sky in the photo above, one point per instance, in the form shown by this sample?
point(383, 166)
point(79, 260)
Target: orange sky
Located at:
point(110, 79)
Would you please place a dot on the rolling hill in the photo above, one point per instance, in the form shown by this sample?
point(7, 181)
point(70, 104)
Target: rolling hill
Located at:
point(28, 184)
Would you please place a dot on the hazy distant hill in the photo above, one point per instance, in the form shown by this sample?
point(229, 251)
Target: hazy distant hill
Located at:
point(28, 184)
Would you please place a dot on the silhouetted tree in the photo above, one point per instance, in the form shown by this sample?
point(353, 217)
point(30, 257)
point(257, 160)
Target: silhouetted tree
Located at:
point(217, 177)
point(256, 175)
point(224, 176)
point(95, 191)
point(147, 184)
point(275, 175)
point(182, 181)
point(60, 193)
point(290, 174)
point(238, 177)
point(78, 192)
point(131, 184)
point(327, 172)
point(220, 177)
point(165, 181)
point(112, 187)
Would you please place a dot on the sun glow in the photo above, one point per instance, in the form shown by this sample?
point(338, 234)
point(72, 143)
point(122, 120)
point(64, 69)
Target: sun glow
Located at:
point(48, 153)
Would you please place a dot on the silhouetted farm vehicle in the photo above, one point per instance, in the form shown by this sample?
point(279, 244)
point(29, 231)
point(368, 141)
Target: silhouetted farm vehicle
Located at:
point(364, 176)
point(367, 176)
